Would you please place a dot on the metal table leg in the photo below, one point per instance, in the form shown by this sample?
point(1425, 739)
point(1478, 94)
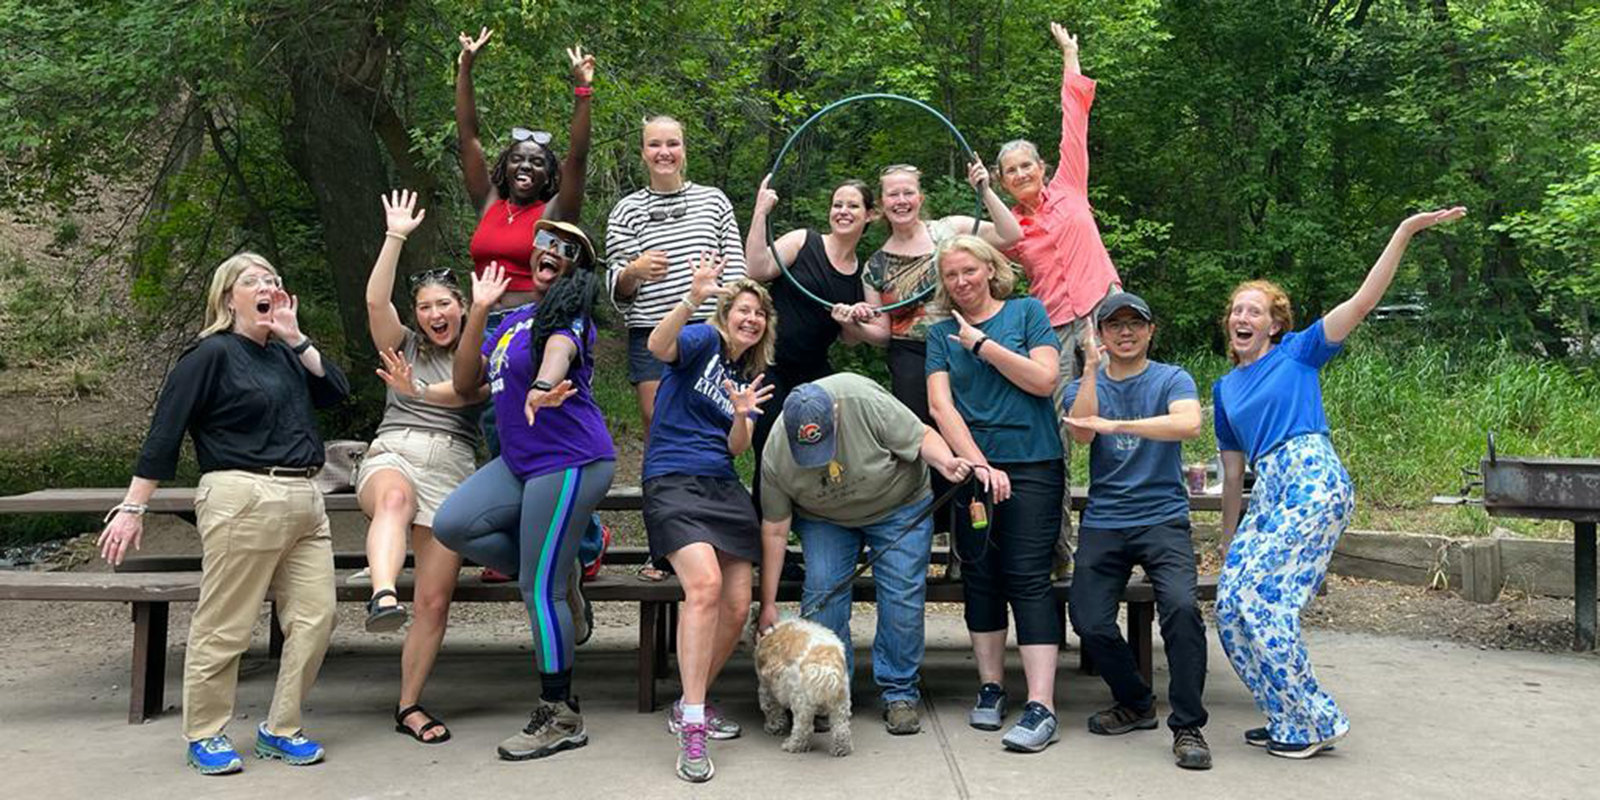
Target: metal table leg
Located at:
point(1583, 579)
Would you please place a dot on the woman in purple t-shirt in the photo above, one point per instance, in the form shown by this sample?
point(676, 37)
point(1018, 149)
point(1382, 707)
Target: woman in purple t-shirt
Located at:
point(1269, 409)
point(524, 512)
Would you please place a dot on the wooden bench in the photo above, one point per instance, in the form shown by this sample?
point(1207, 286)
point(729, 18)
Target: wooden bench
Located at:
point(151, 583)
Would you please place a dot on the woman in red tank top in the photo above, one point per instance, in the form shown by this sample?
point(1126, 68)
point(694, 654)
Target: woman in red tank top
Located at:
point(523, 185)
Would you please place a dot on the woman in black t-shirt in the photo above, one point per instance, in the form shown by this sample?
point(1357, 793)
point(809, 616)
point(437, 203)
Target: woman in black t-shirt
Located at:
point(826, 265)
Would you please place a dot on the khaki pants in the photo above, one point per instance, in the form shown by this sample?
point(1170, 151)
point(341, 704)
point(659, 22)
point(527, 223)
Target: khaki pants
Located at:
point(257, 533)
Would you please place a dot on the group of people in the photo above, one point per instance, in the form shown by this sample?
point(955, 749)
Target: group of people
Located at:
point(989, 389)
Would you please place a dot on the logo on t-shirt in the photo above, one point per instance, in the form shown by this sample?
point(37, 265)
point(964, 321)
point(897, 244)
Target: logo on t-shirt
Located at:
point(709, 384)
point(498, 359)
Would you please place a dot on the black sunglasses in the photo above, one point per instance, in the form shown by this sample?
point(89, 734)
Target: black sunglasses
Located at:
point(440, 275)
point(541, 138)
point(676, 212)
point(569, 250)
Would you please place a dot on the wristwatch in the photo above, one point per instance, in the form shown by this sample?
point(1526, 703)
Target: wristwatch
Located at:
point(304, 345)
point(543, 386)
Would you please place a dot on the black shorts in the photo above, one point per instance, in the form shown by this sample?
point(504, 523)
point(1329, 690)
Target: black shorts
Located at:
point(680, 510)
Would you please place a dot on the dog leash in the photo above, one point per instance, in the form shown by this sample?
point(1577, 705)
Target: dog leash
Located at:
point(878, 552)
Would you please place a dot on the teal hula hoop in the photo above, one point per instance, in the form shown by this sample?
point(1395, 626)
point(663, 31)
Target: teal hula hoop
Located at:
point(772, 242)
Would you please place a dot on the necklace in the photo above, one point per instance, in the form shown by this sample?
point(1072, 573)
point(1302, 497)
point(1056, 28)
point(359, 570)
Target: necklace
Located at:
point(511, 216)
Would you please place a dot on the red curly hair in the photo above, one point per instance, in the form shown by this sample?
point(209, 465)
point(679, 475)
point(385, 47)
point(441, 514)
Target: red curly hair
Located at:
point(1280, 309)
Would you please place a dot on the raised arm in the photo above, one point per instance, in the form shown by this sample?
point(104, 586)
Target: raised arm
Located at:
point(707, 281)
point(1077, 96)
point(401, 217)
point(1344, 318)
point(467, 369)
point(758, 261)
point(568, 202)
point(747, 401)
point(1004, 231)
point(474, 167)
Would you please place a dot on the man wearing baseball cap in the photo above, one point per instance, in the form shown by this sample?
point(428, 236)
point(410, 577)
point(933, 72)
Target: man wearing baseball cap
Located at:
point(1134, 414)
point(845, 467)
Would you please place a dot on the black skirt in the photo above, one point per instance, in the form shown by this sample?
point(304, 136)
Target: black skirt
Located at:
point(680, 510)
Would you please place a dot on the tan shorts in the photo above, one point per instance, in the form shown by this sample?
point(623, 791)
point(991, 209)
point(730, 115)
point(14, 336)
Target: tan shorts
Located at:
point(434, 463)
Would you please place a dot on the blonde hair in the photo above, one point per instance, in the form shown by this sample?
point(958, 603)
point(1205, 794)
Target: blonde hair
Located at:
point(1001, 284)
point(219, 317)
point(1278, 306)
point(755, 360)
point(664, 119)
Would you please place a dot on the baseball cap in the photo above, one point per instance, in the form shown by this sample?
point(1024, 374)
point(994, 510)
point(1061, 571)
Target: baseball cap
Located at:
point(1116, 302)
point(808, 422)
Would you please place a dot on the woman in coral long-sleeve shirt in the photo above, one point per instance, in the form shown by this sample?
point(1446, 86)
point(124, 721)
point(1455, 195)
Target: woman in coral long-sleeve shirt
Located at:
point(1068, 267)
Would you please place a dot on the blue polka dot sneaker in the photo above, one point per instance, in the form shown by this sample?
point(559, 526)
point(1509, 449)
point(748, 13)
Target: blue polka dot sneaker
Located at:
point(295, 750)
point(214, 756)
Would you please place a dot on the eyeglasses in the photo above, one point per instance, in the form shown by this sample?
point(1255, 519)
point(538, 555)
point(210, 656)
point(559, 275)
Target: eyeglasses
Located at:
point(269, 281)
point(676, 212)
point(1129, 325)
point(440, 275)
point(892, 168)
point(540, 138)
point(569, 250)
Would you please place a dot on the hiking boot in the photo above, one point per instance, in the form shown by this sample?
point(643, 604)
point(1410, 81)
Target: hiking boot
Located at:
point(582, 612)
point(1034, 732)
point(717, 725)
point(214, 756)
point(1284, 750)
point(1190, 749)
point(551, 728)
point(1120, 719)
point(295, 750)
point(900, 718)
point(694, 760)
point(1257, 737)
point(991, 708)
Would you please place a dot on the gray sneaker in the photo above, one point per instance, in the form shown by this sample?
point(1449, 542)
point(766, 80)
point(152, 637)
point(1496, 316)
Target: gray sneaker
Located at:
point(582, 612)
point(1034, 732)
point(991, 708)
point(551, 728)
point(694, 761)
point(900, 718)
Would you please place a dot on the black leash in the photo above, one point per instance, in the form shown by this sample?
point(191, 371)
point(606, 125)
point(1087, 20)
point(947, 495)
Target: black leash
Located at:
point(878, 552)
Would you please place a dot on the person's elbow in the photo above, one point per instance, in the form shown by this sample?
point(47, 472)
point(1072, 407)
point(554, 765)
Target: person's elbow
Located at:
point(1004, 240)
point(1190, 426)
point(665, 351)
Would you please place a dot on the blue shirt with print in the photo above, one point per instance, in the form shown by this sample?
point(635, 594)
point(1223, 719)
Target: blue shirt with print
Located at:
point(689, 433)
point(1134, 481)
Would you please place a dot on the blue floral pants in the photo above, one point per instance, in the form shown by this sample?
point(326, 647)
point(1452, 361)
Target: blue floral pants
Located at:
point(1301, 503)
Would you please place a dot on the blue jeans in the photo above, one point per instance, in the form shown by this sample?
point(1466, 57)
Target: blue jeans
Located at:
point(901, 577)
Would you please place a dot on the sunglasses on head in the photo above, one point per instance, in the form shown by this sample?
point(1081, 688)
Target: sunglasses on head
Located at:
point(440, 275)
point(676, 212)
point(892, 168)
point(569, 250)
point(523, 134)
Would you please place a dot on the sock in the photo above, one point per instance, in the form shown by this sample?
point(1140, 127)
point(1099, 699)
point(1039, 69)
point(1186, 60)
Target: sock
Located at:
point(555, 687)
point(694, 714)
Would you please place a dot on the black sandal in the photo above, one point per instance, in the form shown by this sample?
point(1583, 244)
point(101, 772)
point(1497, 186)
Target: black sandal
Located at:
point(385, 619)
point(400, 725)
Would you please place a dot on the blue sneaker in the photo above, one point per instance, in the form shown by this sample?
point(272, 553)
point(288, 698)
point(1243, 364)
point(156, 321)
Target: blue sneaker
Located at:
point(295, 750)
point(214, 756)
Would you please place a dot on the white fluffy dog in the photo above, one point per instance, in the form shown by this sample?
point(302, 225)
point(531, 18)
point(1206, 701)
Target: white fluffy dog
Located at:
point(801, 668)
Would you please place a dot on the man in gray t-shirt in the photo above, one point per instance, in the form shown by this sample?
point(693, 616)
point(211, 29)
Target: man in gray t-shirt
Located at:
point(1134, 414)
point(845, 467)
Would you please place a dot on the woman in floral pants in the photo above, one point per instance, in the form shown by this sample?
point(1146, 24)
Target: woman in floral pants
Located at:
point(1269, 409)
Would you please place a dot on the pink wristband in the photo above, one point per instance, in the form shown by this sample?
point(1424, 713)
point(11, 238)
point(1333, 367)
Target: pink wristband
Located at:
point(583, 91)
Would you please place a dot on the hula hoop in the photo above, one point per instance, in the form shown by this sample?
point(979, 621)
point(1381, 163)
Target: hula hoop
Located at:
point(772, 242)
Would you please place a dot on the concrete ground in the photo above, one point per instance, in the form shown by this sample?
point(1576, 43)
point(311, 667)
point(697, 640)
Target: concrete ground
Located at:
point(1430, 720)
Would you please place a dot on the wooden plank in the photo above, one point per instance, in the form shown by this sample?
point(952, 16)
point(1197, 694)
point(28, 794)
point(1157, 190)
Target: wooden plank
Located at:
point(180, 500)
point(100, 586)
point(147, 687)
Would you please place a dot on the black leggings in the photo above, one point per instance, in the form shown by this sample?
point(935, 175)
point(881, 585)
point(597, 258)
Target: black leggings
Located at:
point(1010, 561)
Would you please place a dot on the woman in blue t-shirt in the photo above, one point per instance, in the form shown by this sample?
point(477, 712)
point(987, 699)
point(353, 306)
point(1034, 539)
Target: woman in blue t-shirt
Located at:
point(1268, 409)
point(697, 514)
point(991, 375)
point(524, 512)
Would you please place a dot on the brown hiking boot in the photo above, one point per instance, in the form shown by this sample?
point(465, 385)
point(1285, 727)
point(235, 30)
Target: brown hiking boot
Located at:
point(1121, 719)
point(900, 718)
point(551, 728)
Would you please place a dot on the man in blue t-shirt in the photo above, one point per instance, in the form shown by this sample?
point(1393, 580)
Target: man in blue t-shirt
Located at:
point(1134, 414)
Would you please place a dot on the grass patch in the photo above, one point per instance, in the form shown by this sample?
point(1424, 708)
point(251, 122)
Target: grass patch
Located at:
point(70, 461)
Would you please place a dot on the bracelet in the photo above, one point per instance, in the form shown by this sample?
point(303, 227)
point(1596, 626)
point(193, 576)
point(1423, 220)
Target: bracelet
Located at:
point(543, 385)
point(394, 235)
point(979, 346)
point(304, 345)
point(583, 91)
point(420, 385)
point(692, 305)
point(136, 509)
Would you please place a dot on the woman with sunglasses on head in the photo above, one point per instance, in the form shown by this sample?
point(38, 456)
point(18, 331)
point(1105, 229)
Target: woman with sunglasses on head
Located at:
point(654, 238)
point(424, 450)
point(524, 512)
point(904, 268)
point(827, 267)
point(246, 393)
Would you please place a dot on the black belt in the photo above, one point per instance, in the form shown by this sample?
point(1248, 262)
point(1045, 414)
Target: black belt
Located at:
point(284, 472)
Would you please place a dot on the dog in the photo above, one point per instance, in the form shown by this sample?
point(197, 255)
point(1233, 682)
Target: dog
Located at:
point(800, 667)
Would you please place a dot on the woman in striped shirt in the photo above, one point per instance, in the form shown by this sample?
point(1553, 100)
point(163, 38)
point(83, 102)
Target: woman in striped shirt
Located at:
point(654, 238)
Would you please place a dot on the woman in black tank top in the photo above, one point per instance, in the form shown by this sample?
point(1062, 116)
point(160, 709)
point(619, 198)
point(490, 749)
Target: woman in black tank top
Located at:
point(826, 265)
